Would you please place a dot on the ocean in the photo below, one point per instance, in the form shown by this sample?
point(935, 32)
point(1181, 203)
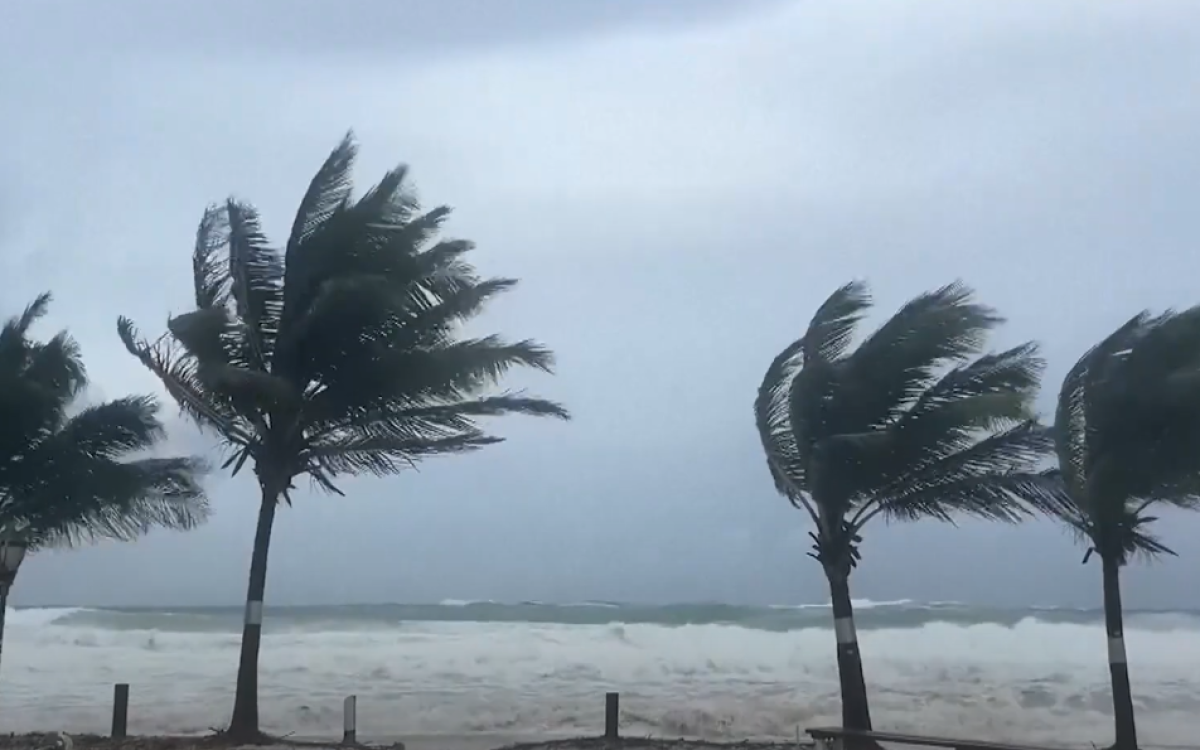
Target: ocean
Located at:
point(717, 671)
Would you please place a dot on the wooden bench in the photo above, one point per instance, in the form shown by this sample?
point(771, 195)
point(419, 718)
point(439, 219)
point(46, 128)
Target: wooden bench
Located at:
point(837, 738)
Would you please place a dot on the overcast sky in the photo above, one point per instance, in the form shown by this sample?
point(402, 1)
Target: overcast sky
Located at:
point(678, 184)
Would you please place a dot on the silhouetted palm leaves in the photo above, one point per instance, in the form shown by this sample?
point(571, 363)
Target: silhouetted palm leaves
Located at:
point(69, 478)
point(340, 354)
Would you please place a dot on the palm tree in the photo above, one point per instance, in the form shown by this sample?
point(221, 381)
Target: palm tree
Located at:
point(340, 354)
point(914, 423)
point(1127, 435)
point(67, 479)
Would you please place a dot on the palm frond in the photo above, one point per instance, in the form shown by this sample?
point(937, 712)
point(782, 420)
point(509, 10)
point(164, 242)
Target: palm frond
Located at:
point(390, 203)
point(256, 275)
point(934, 487)
point(432, 324)
point(178, 375)
point(1002, 497)
point(367, 237)
point(431, 420)
point(38, 380)
point(13, 335)
point(210, 272)
point(771, 408)
point(14, 344)
point(57, 366)
point(832, 327)
point(204, 334)
point(329, 189)
point(34, 311)
point(114, 429)
point(989, 395)
point(490, 406)
point(1140, 542)
point(396, 379)
point(897, 362)
point(129, 501)
point(385, 455)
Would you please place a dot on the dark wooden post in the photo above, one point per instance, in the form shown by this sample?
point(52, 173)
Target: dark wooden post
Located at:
point(350, 720)
point(612, 716)
point(120, 717)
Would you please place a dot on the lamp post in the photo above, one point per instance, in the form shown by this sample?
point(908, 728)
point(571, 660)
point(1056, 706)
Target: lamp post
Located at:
point(12, 553)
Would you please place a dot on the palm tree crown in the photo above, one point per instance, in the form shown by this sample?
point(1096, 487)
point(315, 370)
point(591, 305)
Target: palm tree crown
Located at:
point(1127, 431)
point(72, 478)
point(913, 423)
point(339, 354)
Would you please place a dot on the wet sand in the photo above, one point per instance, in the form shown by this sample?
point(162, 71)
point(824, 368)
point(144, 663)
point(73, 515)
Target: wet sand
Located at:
point(415, 742)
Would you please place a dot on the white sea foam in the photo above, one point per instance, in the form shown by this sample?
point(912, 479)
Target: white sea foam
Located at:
point(859, 604)
point(1032, 682)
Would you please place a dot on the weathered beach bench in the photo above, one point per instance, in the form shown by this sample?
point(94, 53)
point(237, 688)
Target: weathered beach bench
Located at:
point(837, 738)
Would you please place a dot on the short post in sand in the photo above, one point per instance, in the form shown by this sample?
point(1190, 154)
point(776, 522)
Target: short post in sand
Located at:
point(12, 553)
point(612, 716)
point(120, 714)
point(350, 720)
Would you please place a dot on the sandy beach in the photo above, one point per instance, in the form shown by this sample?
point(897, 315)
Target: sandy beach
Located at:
point(41, 741)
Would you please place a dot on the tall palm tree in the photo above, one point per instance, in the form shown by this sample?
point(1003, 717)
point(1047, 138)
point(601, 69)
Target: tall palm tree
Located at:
point(67, 479)
point(340, 354)
point(914, 423)
point(1127, 435)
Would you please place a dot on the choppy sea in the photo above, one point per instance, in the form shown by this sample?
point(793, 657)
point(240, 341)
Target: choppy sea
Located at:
point(1034, 675)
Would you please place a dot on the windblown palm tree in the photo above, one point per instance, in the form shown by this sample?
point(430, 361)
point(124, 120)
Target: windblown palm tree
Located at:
point(1127, 434)
point(914, 423)
point(340, 354)
point(69, 479)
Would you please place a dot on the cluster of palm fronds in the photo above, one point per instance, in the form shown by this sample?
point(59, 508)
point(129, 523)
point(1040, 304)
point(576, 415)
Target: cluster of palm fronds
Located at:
point(69, 477)
point(918, 421)
point(340, 353)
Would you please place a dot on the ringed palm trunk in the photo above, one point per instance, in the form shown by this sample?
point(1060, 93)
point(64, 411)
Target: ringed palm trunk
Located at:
point(856, 713)
point(3, 612)
point(244, 724)
point(1118, 667)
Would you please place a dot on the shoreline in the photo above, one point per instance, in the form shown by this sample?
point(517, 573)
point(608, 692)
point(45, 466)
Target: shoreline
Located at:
point(465, 741)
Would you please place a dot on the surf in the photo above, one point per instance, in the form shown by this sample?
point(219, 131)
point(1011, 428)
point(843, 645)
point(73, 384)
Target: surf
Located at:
point(700, 670)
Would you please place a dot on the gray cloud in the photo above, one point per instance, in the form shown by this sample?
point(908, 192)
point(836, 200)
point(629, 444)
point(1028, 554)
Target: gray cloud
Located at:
point(677, 188)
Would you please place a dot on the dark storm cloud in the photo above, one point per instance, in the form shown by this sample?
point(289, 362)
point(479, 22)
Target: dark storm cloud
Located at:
point(369, 29)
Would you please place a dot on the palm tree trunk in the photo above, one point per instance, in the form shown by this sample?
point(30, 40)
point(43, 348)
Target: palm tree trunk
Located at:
point(856, 714)
point(1118, 667)
point(244, 724)
point(3, 612)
